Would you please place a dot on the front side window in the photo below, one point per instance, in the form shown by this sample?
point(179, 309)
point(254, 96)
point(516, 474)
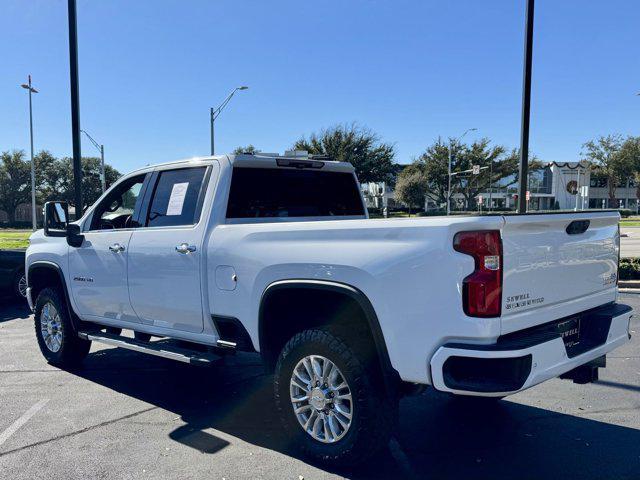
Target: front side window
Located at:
point(271, 192)
point(117, 209)
point(176, 197)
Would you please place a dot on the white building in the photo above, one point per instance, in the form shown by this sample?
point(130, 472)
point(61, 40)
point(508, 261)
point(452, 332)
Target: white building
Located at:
point(563, 186)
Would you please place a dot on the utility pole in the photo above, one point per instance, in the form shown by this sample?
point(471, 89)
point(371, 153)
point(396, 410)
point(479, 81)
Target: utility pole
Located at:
point(33, 165)
point(526, 109)
point(75, 106)
point(491, 186)
point(451, 143)
point(577, 189)
point(215, 113)
point(100, 147)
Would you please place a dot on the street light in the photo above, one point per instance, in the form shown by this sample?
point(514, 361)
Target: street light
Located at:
point(215, 112)
point(457, 140)
point(33, 167)
point(100, 147)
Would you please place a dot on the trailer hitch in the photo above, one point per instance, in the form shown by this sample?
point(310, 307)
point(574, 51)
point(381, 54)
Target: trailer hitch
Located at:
point(586, 373)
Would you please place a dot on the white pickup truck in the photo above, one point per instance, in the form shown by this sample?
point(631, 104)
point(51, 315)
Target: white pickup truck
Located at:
point(276, 255)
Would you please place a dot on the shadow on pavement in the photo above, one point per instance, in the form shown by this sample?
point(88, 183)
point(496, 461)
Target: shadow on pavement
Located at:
point(12, 308)
point(437, 437)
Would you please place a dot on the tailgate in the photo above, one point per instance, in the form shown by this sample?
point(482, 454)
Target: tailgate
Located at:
point(554, 267)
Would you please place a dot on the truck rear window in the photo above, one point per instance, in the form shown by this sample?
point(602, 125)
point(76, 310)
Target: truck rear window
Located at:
point(270, 192)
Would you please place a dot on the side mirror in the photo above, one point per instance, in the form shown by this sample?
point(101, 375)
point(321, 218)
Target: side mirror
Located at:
point(56, 223)
point(56, 219)
point(74, 235)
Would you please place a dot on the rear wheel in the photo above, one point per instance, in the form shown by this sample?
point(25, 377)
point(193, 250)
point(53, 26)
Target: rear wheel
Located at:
point(329, 402)
point(56, 338)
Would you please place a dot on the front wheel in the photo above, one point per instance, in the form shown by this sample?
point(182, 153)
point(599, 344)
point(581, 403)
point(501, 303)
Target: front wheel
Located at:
point(20, 285)
point(331, 405)
point(56, 338)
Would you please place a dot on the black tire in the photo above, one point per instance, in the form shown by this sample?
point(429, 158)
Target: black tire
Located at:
point(373, 411)
point(113, 330)
point(20, 285)
point(72, 349)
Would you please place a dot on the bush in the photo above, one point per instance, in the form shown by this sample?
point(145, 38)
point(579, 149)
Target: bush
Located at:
point(629, 269)
point(19, 225)
point(625, 212)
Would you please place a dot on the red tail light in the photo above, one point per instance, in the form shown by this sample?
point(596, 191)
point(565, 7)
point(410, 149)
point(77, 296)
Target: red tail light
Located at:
point(482, 290)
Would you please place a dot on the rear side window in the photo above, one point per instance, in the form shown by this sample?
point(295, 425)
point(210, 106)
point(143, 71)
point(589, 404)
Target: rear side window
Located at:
point(270, 192)
point(176, 199)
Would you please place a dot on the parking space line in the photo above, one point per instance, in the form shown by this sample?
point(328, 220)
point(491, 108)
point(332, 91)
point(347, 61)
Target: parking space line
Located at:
point(26, 416)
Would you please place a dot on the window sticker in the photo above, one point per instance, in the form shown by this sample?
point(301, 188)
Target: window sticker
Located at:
point(176, 201)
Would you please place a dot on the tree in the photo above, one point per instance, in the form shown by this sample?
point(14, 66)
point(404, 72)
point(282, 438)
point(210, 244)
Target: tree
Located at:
point(630, 156)
point(411, 187)
point(372, 159)
point(15, 182)
point(54, 180)
point(91, 185)
point(495, 162)
point(605, 153)
point(248, 149)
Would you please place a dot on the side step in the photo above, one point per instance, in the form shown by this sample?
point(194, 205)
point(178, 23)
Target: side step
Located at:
point(161, 348)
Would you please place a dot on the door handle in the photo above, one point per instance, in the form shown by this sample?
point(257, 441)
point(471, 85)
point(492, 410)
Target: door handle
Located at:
point(185, 248)
point(116, 248)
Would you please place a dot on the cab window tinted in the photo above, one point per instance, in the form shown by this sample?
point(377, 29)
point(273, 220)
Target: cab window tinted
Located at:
point(117, 209)
point(272, 192)
point(175, 199)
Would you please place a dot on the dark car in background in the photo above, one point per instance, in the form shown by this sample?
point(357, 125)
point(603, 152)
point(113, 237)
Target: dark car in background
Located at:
point(12, 278)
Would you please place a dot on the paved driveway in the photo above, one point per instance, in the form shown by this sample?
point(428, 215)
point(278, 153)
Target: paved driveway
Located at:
point(630, 242)
point(127, 415)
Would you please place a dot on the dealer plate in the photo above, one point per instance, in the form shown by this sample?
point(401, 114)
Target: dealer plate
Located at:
point(569, 330)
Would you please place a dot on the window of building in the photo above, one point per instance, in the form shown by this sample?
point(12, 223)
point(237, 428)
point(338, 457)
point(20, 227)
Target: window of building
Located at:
point(598, 180)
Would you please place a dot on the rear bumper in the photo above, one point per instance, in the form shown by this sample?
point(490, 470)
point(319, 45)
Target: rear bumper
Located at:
point(522, 359)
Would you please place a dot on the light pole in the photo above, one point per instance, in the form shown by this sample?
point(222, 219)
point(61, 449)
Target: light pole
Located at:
point(451, 143)
point(100, 147)
point(75, 107)
point(33, 166)
point(526, 110)
point(215, 113)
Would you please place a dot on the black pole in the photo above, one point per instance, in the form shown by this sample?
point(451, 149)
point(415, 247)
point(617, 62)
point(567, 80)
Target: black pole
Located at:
point(526, 110)
point(75, 107)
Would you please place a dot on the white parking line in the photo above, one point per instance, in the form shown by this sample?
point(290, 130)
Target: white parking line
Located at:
point(11, 429)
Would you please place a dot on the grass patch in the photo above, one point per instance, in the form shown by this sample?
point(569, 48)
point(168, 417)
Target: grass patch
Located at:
point(630, 223)
point(11, 239)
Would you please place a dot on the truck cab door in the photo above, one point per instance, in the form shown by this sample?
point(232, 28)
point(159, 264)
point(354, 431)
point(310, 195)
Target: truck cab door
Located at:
point(166, 253)
point(98, 267)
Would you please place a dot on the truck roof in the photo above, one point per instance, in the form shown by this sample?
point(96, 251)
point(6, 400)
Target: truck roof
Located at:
point(263, 160)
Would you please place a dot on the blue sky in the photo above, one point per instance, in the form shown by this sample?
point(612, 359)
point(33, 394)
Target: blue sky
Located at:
point(410, 70)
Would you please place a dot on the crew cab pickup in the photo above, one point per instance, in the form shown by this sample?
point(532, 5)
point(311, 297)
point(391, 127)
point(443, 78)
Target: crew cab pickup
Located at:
point(276, 254)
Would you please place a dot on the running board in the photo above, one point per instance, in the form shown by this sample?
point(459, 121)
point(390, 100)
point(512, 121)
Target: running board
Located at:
point(163, 349)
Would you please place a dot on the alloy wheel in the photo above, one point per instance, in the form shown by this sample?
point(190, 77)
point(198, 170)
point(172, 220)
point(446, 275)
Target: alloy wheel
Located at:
point(321, 399)
point(51, 327)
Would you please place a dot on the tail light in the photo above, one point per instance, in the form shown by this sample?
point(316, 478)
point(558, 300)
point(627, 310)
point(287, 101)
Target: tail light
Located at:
point(482, 290)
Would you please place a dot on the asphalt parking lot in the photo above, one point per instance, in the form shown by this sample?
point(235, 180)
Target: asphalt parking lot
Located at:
point(128, 415)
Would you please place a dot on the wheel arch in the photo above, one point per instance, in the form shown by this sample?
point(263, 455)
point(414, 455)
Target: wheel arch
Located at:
point(42, 274)
point(390, 376)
